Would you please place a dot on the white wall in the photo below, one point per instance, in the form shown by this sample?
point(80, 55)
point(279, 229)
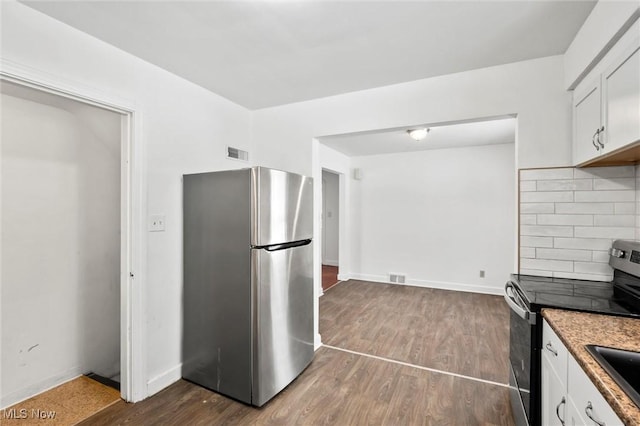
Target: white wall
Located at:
point(330, 225)
point(184, 129)
point(532, 89)
point(60, 245)
point(336, 162)
point(438, 216)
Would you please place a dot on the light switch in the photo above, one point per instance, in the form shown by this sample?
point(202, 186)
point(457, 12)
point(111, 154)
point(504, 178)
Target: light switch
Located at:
point(156, 223)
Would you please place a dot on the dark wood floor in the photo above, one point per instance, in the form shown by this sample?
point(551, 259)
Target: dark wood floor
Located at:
point(464, 333)
point(329, 276)
point(338, 388)
point(432, 328)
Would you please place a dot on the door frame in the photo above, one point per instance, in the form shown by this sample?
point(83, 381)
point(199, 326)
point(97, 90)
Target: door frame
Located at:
point(133, 209)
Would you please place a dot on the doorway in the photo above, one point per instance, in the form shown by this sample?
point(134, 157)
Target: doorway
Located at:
point(65, 240)
point(330, 228)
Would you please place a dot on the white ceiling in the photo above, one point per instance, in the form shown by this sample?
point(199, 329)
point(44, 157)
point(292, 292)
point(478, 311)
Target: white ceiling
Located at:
point(265, 53)
point(448, 135)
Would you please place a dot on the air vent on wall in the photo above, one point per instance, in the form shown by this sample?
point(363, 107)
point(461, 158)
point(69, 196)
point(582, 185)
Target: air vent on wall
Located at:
point(237, 154)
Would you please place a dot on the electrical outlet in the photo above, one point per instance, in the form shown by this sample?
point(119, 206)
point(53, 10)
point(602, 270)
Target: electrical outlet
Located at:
point(481, 274)
point(156, 223)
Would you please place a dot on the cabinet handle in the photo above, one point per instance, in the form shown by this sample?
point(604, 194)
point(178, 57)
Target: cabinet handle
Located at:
point(593, 140)
point(600, 130)
point(588, 410)
point(558, 410)
point(551, 349)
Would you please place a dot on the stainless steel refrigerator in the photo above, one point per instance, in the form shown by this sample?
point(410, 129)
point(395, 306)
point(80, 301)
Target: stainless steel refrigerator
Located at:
point(248, 281)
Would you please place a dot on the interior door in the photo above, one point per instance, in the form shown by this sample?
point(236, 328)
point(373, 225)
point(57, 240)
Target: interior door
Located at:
point(282, 283)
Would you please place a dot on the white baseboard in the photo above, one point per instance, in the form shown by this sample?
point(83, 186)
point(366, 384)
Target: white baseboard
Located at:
point(343, 277)
point(318, 342)
point(471, 288)
point(370, 277)
point(165, 379)
point(330, 262)
point(34, 389)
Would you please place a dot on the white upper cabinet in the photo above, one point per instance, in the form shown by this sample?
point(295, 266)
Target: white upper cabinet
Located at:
point(606, 105)
point(621, 100)
point(587, 122)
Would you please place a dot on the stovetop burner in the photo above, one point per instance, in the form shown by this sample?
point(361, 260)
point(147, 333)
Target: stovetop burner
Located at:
point(564, 293)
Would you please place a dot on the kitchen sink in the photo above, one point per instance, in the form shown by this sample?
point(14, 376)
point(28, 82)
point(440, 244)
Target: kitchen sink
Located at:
point(623, 367)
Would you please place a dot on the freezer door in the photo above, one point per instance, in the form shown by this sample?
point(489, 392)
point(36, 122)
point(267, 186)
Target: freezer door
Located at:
point(282, 207)
point(282, 285)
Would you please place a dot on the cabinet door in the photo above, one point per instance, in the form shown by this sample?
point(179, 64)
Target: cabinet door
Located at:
point(621, 100)
point(586, 122)
point(554, 396)
point(574, 418)
point(587, 398)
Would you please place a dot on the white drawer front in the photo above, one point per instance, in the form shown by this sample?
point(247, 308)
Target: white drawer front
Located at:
point(555, 351)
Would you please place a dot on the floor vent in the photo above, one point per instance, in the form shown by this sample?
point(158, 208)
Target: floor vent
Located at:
point(397, 278)
point(237, 154)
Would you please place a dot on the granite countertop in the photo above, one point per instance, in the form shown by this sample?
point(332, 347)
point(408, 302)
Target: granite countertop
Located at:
point(577, 329)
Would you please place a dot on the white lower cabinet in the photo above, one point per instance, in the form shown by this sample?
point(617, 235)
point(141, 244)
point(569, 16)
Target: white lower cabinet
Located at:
point(554, 395)
point(574, 418)
point(589, 402)
point(569, 398)
point(554, 378)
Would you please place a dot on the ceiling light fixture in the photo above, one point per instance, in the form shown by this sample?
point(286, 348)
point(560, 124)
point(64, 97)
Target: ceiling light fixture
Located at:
point(418, 134)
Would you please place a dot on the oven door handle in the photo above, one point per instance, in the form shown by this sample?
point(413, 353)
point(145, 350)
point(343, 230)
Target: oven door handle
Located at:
point(514, 301)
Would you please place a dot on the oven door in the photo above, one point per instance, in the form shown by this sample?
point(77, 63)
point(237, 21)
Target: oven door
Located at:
point(521, 336)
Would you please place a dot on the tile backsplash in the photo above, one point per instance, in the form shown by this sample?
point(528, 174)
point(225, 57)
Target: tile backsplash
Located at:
point(569, 217)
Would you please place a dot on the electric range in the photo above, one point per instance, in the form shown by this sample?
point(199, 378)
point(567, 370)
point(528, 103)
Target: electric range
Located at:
point(526, 295)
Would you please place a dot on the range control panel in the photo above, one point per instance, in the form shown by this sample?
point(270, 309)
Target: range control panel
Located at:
point(625, 256)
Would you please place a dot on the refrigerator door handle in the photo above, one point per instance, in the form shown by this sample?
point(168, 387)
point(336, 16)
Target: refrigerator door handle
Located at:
point(284, 246)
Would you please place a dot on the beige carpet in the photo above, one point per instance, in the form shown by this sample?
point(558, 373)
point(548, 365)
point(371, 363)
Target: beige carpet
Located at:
point(66, 404)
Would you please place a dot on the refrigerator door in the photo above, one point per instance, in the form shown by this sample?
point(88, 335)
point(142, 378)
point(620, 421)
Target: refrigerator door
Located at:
point(282, 207)
point(282, 286)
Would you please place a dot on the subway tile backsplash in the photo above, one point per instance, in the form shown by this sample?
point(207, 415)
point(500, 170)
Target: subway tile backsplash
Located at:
point(569, 217)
